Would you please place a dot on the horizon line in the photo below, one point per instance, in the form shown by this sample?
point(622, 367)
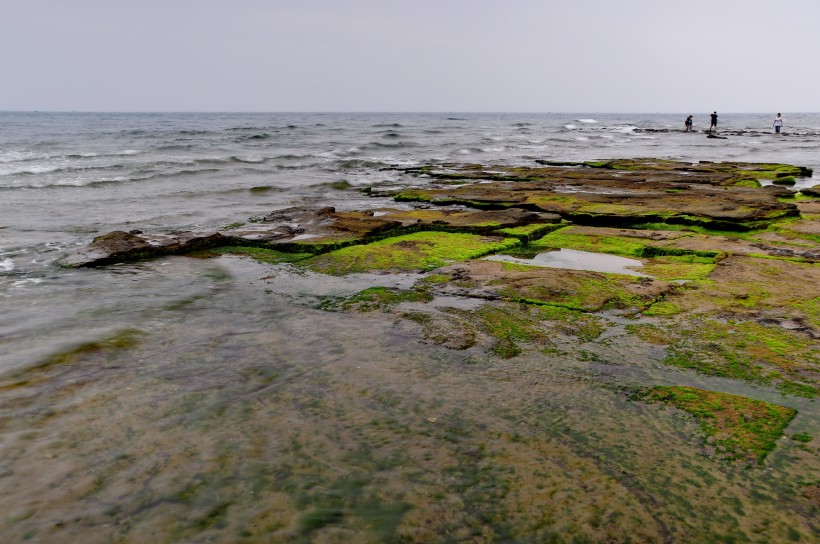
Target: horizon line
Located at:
point(395, 112)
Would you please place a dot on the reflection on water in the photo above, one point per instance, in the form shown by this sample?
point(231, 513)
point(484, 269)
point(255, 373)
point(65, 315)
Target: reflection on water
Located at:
point(577, 260)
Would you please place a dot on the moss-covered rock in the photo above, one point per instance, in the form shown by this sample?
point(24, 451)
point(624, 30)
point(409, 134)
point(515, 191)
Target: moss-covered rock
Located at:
point(736, 428)
point(721, 196)
point(379, 298)
point(412, 252)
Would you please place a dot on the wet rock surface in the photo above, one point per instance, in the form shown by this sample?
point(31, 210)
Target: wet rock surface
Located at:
point(720, 196)
point(812, 191)
point(374, 378)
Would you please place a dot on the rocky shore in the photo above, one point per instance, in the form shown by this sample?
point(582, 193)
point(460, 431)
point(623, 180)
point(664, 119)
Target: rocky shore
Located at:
point(484, 199)
point(716, 285)
point(727, 268)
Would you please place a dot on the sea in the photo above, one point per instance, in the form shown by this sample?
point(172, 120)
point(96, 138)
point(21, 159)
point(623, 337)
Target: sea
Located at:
point(201, 328)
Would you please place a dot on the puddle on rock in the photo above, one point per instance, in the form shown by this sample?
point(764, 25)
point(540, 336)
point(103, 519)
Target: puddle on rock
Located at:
point(574, 259)
point(444, 301)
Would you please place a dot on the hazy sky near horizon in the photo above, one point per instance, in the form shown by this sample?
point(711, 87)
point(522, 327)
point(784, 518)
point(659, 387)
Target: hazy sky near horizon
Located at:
point(410, 55)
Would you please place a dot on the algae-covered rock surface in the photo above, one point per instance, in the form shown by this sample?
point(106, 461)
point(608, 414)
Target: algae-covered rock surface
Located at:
point(604, 351)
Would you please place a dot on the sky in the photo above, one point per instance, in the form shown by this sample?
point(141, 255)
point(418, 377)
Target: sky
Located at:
point(620, 56)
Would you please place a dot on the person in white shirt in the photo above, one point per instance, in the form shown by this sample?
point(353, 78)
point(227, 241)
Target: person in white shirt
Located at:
point(778, 123)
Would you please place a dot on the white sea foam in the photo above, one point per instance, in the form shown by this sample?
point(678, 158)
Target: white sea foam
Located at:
point(6, 265)
point(26, 281)
point(582, 138)
point(570, 126)
point(10, 155)
point(30, 169)
point(589, 121)
point(627, 129)
point(396, 161)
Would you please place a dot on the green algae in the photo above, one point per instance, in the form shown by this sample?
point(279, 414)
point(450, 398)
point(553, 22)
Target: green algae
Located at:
point(121, 340)
point(653, 334)
point(263, 255)
point(564, 238)
point(740, 170)
point(528, 233)
point(738, 428)
point(749, 351)
point(233, 226)
point(748, 183)
point(124, 339)
point(811, 309)
point(511, 324)
point(701, 229)
point(261, 189)
point(377, 298)
point(584, 326)
point(587, 293)
point(676, 268)
point(434, 279)
point(420, 195)
point(508, 326)
point(341, 185)
point(749, 284)
point(699, 261)
point(801, 197)
point(417, 251)
point(452, 331)
point(718, 362)
point(789, 229)
point(663, 308)
point(803, 438)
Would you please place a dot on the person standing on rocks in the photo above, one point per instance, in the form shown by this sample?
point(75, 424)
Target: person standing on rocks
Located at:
point(713, 126)
point(778, 124)
point(688, 124)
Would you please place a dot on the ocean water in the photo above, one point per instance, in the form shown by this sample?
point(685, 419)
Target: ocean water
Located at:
point(206, 329)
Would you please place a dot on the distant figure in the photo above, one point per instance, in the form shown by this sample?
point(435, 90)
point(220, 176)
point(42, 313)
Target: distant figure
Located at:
point(688, 124)
point(714, 122)
point(778, 123)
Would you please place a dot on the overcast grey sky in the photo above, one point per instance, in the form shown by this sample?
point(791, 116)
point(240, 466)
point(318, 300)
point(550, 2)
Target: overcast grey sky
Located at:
point(410, 55)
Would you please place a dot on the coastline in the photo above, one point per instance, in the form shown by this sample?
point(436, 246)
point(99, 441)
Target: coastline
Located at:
point(329, 399)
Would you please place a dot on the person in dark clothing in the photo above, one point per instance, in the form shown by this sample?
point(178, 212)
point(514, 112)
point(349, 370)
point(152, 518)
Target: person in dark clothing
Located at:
point(688, 124)
point(714, 122)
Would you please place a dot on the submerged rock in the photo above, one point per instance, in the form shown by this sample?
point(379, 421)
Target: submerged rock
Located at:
point(118, 246)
